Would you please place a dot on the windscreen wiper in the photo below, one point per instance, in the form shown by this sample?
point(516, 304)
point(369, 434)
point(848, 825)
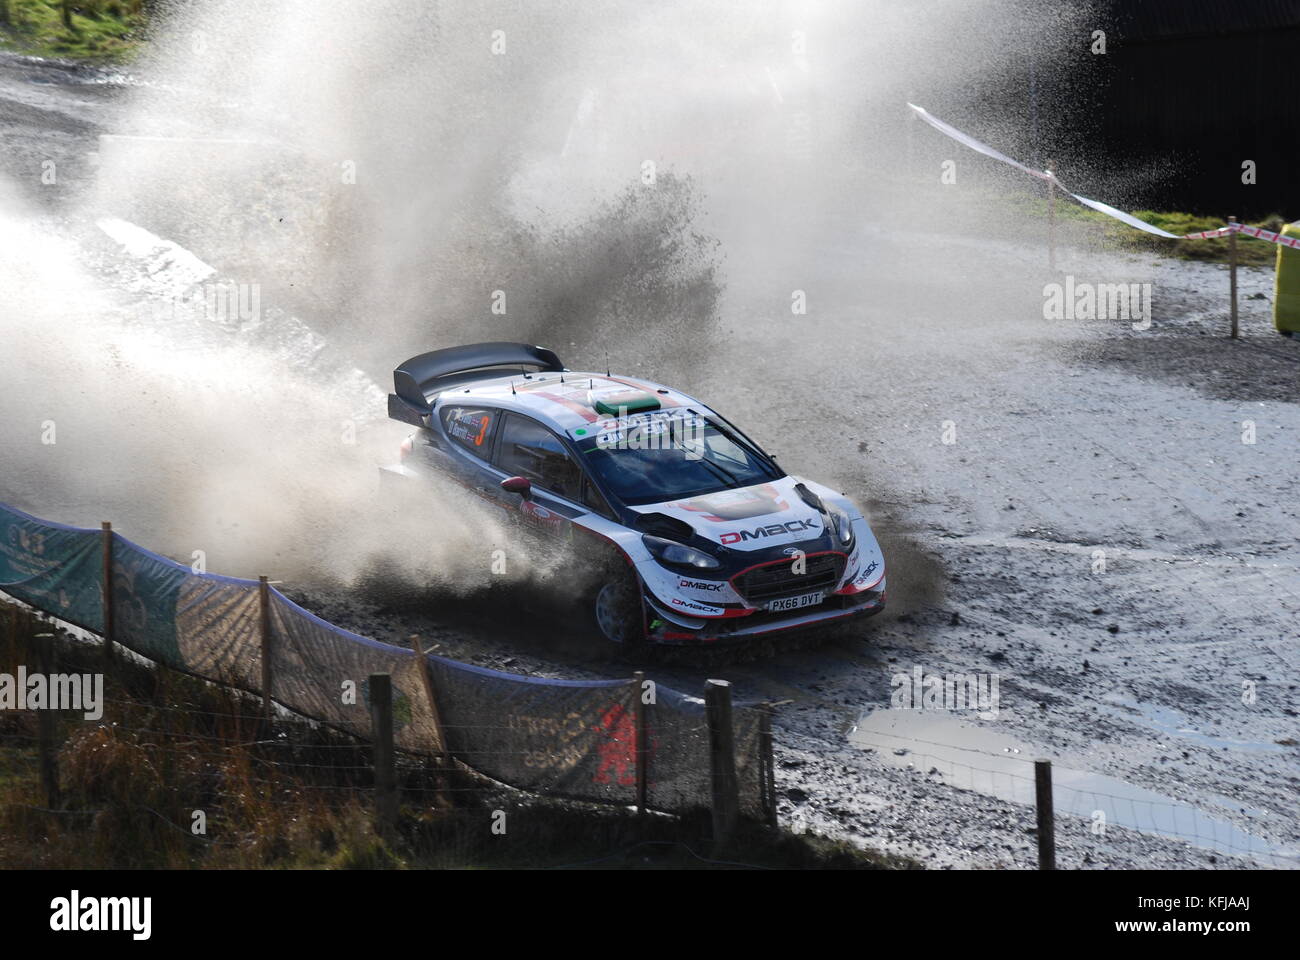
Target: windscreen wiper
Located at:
point(732, 480)
point(732, 433)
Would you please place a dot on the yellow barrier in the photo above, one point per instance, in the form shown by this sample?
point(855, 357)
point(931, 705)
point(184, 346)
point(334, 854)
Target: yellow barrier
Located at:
point(1286, 289)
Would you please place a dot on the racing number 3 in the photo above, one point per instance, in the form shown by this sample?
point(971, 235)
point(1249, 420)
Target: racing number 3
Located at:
point(482, 429)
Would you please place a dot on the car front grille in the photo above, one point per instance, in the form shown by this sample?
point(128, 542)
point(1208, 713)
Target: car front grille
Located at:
point(777, 580)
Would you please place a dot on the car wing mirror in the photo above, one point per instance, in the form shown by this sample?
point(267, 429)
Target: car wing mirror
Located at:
point(520, 485)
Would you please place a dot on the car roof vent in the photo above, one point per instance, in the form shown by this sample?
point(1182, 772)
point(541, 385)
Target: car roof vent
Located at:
point(618, 401)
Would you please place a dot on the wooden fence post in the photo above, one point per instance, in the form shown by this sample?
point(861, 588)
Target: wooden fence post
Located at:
point(767, 763)
point(1232, 274)
point(46, 718)
point(264, 630)
point(642, 744)
point(381, 724)
point(106, 532)
point(722, 760)
point(1051, 217)
point(442, 750)
point(1046, 818)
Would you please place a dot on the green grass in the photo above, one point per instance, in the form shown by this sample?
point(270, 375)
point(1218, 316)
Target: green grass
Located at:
point(1250, 250)
point(104, 31)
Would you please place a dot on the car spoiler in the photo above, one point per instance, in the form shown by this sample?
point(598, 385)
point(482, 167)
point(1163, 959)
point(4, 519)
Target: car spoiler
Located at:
point(418, 378)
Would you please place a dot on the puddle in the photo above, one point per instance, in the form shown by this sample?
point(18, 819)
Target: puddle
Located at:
point(974, 758)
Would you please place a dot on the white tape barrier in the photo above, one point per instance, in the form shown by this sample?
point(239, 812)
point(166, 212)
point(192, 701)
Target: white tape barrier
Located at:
point(976, 145)
point(1097, 205)
point(1262, 234)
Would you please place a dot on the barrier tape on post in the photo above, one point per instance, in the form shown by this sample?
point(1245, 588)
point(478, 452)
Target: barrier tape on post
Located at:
point(969, 141)
point(1262, 234)
point(975, 145)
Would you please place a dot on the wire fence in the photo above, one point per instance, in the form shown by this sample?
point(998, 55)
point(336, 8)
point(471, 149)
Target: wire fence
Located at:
point(627, 742)
point(1084, 808)
point(175, 767)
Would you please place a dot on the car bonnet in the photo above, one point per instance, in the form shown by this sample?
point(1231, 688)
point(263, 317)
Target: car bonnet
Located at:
point(756, 517)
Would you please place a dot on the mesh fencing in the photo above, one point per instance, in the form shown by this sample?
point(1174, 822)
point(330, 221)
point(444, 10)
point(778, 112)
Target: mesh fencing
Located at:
point(680, 773)
point(203, 624)
point(57, 568)
point(322, 671)
point(571, 738)
point(568, 738)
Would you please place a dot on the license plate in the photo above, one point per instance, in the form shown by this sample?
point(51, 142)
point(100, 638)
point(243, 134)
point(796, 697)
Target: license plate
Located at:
point(797, 603)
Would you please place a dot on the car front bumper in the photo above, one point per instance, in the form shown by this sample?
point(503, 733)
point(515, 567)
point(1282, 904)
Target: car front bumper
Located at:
point(671, 628)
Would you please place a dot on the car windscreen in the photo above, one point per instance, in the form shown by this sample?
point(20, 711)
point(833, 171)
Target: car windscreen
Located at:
point(640, 464)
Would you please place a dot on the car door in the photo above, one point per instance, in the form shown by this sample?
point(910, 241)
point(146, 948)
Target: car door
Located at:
point(529, 449)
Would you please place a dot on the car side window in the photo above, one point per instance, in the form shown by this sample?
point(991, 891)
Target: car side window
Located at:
point(593, 498)
point(471, 428)
point(530, 450)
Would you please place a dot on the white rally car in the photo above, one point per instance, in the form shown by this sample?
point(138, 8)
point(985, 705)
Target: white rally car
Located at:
point(696, 535)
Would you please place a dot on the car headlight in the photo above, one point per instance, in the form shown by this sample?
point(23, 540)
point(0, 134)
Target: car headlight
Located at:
point(843, 527)
point(678, 554)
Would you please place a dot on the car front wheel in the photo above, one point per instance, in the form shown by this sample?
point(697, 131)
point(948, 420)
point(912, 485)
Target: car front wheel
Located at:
point(617, 610)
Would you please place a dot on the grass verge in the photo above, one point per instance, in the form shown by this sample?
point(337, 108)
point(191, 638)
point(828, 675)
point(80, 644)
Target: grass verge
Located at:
point(1110, 231)
point(102, 31)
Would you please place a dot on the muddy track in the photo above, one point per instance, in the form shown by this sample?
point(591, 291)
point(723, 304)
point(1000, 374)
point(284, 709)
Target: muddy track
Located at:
point(1069, 440)
point(993, 544)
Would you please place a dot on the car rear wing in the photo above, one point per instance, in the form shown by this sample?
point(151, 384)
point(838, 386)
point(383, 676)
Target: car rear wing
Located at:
point(416, 380)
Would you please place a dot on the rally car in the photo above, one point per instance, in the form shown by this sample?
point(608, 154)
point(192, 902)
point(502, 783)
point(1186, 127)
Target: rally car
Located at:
point(696, 534)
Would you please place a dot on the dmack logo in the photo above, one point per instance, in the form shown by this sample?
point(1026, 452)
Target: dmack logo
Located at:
point(710, 585)
point(771, 530)
point(865, 574)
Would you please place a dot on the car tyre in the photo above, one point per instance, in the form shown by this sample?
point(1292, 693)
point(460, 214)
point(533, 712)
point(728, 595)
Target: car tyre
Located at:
point(617, 611)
